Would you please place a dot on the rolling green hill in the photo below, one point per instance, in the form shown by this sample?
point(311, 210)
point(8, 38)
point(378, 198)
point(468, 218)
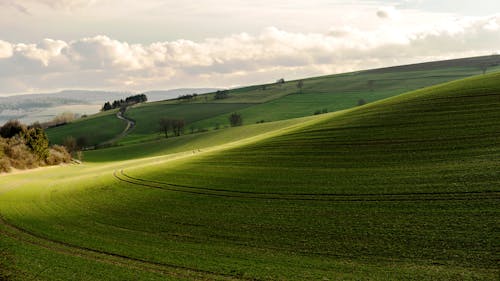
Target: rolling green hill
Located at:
point(406, 188)
point(274, 102)
point(95, 129)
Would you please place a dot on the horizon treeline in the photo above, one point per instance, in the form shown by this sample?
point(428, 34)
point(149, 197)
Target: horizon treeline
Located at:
point(128, 101)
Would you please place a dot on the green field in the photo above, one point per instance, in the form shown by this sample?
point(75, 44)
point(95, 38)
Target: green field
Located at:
point(95, 129)
point(405, 188)
point(278, 101)
point(147, 116)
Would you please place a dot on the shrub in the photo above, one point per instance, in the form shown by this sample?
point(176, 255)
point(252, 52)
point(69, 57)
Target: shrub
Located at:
point(361, 102)
point(5, 166)
point(12, 128)
point(58, 155)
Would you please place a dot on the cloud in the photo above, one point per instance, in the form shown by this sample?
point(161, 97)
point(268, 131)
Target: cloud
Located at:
point(5, 49)
point(106, 63)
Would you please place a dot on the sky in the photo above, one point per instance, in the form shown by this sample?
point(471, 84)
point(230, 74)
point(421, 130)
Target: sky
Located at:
point(141, 45)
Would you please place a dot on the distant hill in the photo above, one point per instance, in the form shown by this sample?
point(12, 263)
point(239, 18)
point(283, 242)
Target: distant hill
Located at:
point(29, 108)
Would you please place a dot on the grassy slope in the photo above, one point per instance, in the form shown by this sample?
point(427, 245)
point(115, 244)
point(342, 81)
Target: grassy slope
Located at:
point(148, 115)
point(191, 142)
point(277, 102)
point(337, 92)
point(96, 129)
point(443, 139)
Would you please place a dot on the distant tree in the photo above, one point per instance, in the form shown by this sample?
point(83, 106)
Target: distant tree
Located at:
point(107, 106)
point(178, 126)
point(70, 144)
point(361, 102)
point(300, 84)
point(12, 128)
point(484, 67)
point(219, 95)
point(371, 84)
point(235, 119)
point(165, 126)
point(280, 81)
point(81, 142)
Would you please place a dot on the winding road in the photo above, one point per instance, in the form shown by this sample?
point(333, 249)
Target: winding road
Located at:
point(130, 126)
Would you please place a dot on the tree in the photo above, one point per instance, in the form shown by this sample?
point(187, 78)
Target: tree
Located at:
point(70, 144)
point(178, 126)
point(38, 142)
point(280, 81)
point(165, 125)
point(219, 95)
point(300, 84)
point(235, 119)
point(484, 67)
point(371, 83)
point(12, 128)
point(81, 142)
point(106, 106)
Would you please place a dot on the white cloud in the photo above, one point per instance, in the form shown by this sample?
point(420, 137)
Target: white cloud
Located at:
point(5, 49)
point(102, 62)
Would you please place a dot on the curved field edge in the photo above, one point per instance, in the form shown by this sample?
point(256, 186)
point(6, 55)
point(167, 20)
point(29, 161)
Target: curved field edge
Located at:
point(344, 240)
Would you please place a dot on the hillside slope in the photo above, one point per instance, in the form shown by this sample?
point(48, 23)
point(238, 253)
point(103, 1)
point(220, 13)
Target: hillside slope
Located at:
point(272, 102)
point(406, 188)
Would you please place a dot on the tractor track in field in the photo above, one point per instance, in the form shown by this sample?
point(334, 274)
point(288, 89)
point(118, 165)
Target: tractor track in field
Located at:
point(328, 197)
point(65, 248)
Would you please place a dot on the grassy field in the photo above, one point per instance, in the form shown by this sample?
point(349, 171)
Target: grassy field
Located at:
point(406, 188)
point(278, 101)
point(148, 115)
point(95, 129)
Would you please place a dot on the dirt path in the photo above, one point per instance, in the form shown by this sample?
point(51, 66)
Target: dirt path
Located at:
point(130, 126)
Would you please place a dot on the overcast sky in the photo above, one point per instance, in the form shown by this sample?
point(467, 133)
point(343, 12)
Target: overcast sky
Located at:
point(139, 45)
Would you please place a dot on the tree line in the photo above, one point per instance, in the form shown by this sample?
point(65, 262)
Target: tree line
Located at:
point(128, 101)
point(24, 147)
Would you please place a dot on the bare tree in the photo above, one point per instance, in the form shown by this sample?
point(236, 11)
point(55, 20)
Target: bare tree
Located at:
point(165, 125)
point(300, 84)
point(371, 83)
point(235, 119)
point(178, 126)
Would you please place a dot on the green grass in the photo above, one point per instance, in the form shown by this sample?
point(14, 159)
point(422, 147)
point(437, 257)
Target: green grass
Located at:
point(95, 129)
point(406, 188)
point(191, 142)
point(337, 92)
point(148, 115)
point(278, 102)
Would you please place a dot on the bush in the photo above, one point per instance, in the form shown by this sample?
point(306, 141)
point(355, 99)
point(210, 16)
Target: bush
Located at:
point(5, 166)
point(20, 155)
point(58, 155)
point(361, 102)
point(12, 128)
